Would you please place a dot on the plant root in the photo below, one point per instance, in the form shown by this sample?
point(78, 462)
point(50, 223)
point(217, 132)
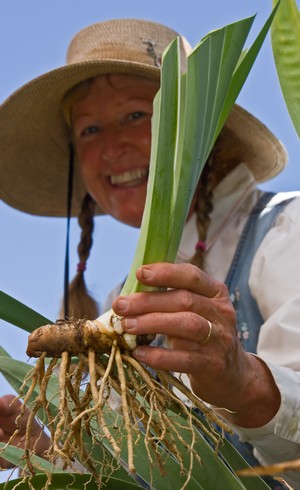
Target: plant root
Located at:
point(271, 470)
point(88, 429)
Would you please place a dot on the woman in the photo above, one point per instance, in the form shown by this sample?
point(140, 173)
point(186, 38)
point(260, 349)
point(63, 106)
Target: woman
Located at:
point(238, 349)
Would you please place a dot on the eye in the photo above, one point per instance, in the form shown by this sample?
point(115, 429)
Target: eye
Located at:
point(89, 130)
point(134, 116)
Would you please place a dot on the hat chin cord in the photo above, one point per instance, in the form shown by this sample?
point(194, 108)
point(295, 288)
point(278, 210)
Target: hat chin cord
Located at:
point(67, 251)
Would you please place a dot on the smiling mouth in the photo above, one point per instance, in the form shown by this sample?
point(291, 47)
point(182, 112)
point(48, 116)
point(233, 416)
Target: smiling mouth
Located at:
point(131, 178)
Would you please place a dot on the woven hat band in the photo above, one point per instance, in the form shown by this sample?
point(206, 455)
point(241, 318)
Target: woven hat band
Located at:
point(112, 52)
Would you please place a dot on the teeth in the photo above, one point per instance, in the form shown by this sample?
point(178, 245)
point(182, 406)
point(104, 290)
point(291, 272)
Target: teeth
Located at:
point(129, 178)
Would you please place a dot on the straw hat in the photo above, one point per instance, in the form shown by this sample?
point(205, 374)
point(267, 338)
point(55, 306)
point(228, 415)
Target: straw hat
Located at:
point(34, 138)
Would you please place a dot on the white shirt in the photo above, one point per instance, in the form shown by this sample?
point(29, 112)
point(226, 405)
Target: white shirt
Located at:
point(275, 284)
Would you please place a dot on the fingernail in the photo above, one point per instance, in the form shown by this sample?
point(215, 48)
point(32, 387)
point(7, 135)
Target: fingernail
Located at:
point(146, 273)
point(130, 323)
point(122, 304)
point(139, 353)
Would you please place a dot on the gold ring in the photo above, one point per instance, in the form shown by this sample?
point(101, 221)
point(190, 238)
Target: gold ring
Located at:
point(209, 333)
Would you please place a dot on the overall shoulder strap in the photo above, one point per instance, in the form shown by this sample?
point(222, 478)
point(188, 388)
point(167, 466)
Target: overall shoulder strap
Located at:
point(261, 219)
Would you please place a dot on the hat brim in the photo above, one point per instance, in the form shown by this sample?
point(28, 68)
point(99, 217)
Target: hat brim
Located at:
point(35, 140)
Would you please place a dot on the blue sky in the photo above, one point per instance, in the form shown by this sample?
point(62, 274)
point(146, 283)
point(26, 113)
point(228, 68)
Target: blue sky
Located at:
point(34, 36)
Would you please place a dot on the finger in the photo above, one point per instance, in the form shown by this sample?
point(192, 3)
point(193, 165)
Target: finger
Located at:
point(183, 325)
point(5, 465)
point(178, 276)
point(9, 405)
point(174, 300)
point(182, 361)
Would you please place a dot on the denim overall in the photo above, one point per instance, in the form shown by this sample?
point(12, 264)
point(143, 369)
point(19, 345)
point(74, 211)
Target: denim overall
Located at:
point(249, 319)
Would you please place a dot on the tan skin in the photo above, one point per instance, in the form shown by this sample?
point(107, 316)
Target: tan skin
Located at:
point(112, 130)
point(112, 133)
point(9, 410)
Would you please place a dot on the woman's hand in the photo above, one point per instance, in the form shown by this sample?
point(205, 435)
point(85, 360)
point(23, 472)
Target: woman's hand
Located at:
point(220, 371)
point(9, 411)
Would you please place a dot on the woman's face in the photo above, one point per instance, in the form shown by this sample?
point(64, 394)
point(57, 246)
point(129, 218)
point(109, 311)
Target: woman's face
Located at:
point(112, 130)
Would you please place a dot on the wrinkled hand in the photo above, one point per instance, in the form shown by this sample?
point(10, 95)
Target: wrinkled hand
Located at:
point(220, 371)
point(9, 411)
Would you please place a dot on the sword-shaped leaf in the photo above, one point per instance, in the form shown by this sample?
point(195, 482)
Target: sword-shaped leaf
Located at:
point(285, 35)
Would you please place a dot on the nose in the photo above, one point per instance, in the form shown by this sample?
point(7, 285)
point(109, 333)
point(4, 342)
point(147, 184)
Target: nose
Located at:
point(114, 143)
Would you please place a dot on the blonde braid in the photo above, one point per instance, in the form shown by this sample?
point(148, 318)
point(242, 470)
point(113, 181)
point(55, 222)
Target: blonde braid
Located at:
point(203, 208)
point(226, 154)
point(81, 303)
